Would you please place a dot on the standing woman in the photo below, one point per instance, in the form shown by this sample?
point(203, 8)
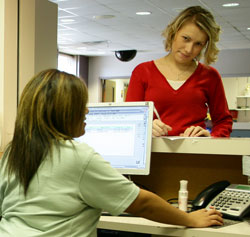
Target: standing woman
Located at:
point(51, 185)
point(182, 88)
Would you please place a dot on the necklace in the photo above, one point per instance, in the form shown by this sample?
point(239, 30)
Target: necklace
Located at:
point(179, 75)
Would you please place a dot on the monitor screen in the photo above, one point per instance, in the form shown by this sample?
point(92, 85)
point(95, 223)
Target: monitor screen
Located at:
point(122, 134)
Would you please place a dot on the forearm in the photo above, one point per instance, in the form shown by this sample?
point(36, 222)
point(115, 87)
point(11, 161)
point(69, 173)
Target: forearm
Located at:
point(151, 206)
point(222, 129)
point(155, 208)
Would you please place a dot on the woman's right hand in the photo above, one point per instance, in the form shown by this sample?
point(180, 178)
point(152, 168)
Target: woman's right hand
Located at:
point(204, 218)
point(160, 128)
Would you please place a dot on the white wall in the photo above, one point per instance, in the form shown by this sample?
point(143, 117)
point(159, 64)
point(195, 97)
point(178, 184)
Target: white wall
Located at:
point(231, 63)
point(38, 38)
point(235, 86)
point(8, 69)
point(111, 67)
point(234, 63)
point(36, 50)
point(1, 66)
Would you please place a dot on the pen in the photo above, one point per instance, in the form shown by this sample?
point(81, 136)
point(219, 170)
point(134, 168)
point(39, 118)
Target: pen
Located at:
point(156, 113)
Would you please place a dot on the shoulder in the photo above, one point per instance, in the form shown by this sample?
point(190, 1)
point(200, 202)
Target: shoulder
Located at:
point(144, 66)
point(89, 155)
point(209, 71)
point(79, 152)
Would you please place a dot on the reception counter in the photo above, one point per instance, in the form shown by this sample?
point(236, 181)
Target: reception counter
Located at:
point(141, 225)
point(201, 161)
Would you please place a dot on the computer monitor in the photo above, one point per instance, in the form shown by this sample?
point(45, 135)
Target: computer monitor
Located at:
point(122, 134)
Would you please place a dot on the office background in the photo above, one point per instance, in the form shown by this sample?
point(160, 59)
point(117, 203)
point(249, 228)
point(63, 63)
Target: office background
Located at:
point(30, 45)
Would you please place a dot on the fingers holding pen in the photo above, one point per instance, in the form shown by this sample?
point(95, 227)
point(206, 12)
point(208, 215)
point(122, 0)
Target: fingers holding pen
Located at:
point(160, 128)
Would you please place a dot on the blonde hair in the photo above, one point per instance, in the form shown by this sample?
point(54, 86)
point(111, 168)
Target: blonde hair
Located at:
point(205, 21)
point(52, 108)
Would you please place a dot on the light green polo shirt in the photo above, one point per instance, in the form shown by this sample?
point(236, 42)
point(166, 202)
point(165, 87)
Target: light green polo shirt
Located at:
point(66, 196)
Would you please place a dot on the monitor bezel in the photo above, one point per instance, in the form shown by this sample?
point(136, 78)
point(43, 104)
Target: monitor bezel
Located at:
point(150, 105)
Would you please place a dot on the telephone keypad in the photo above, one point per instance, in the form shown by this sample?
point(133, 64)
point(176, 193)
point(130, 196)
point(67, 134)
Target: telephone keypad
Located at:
point(230, 202)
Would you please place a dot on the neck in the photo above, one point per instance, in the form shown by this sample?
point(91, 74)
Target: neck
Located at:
point(179, 66)
point(179, 71)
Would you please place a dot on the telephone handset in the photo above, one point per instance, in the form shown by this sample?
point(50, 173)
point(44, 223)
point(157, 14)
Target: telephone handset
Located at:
point(233, 201)
point(205, 196)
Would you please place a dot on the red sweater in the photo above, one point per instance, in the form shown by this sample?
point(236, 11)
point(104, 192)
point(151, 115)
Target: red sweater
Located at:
point(187, 105)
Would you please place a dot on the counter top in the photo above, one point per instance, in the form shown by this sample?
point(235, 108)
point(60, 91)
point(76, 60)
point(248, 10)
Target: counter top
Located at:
point(141, 225)
point(202, 145)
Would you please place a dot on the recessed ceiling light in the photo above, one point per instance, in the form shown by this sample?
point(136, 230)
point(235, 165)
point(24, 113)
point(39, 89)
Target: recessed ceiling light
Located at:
point(67, 20)
point(103, 17)
point(59, 0)
point(100, 52)
point(232, 4)
point(248, 28)
point(62, 41)
point(143, 13)
point(82, 48)
point(63, 47)
point(178, 9)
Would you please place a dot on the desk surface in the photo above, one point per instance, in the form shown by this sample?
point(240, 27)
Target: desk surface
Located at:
point(141, 225)
point(202, 145)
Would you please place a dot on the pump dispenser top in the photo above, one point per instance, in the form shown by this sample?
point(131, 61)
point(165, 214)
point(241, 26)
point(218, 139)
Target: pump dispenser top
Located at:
point(183, 185)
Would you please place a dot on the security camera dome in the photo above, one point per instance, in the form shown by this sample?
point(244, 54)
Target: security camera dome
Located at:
point(125, 55)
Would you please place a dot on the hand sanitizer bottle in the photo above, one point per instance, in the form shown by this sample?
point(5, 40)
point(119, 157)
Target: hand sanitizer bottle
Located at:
point(183, 195)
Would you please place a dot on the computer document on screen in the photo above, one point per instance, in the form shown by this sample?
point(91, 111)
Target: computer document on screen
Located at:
point(120, 134)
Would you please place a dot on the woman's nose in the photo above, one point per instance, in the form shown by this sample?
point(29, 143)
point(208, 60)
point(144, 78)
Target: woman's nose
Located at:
point(189, 47)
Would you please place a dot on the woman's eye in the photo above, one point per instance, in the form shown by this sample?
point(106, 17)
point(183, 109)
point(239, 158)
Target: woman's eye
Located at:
point(199, 44)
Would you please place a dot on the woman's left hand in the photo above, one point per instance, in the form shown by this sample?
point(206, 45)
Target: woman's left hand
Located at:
point(195, 131)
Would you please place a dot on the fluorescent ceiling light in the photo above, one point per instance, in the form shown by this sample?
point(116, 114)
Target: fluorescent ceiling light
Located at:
point(101, 52)
point(63, 41)
point(103, 17)
point(82, 48)
point(143, 13)
point(232, 4)
point(67, 20)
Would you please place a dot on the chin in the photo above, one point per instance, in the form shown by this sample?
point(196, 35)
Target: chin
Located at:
point(81, 131)
point(81, 134)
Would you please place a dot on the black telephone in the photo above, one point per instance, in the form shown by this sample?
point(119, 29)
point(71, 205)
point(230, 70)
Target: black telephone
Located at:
point(205, 196)
point(232, 200)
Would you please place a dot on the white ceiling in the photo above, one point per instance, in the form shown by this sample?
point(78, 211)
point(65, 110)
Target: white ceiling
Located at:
point(88, 35)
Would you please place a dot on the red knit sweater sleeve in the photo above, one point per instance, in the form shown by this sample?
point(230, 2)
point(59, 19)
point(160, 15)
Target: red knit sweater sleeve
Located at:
point(137, 86)
point(218, 108)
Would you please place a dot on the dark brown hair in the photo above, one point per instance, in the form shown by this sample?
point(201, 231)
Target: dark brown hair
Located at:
point(52, 108)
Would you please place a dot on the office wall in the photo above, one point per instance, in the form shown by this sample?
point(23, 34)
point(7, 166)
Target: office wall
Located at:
point(8, 69)
point(231, 63)
point(38, 38)
point(111, 67)
point(83, 68)
point(28, 44)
